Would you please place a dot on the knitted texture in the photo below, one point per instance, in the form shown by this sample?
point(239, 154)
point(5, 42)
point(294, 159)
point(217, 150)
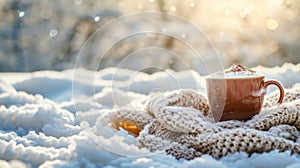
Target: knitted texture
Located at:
point(181, 124)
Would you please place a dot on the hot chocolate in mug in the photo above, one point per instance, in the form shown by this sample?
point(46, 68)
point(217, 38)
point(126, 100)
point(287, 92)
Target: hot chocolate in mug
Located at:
point(237, 93)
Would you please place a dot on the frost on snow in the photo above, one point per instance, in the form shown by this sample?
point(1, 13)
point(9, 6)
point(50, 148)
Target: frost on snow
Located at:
point(40, 126)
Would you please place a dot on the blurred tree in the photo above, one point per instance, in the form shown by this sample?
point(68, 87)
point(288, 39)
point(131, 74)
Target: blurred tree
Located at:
point(17, 10)
point(47, 34)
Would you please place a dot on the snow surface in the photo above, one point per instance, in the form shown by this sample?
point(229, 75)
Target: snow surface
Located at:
point(40, 126)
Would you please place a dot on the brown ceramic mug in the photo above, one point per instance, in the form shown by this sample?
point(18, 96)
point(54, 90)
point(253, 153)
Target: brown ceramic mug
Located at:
point(238, 97)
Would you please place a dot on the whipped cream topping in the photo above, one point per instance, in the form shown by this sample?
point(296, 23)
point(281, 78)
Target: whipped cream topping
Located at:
point(236, 71)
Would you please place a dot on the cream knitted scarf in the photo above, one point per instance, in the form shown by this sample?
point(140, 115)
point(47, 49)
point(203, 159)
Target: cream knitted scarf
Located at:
point(181, 124)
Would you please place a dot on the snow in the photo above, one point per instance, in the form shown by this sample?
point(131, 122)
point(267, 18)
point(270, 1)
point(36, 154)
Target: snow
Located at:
point(40, 126)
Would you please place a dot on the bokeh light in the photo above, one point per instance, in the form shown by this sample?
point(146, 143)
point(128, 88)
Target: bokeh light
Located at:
point(253, 33)
point(271, 24)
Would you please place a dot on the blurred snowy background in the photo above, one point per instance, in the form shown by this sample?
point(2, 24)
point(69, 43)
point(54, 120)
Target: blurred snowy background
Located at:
point(40, 35)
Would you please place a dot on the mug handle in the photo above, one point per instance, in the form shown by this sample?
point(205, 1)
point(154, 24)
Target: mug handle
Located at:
point(273, 82)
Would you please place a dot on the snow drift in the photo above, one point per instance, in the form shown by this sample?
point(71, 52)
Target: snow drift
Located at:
point(53, 119)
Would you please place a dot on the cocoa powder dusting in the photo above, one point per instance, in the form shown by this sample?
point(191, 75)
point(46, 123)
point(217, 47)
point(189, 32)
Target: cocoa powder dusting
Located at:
point(236, 70)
